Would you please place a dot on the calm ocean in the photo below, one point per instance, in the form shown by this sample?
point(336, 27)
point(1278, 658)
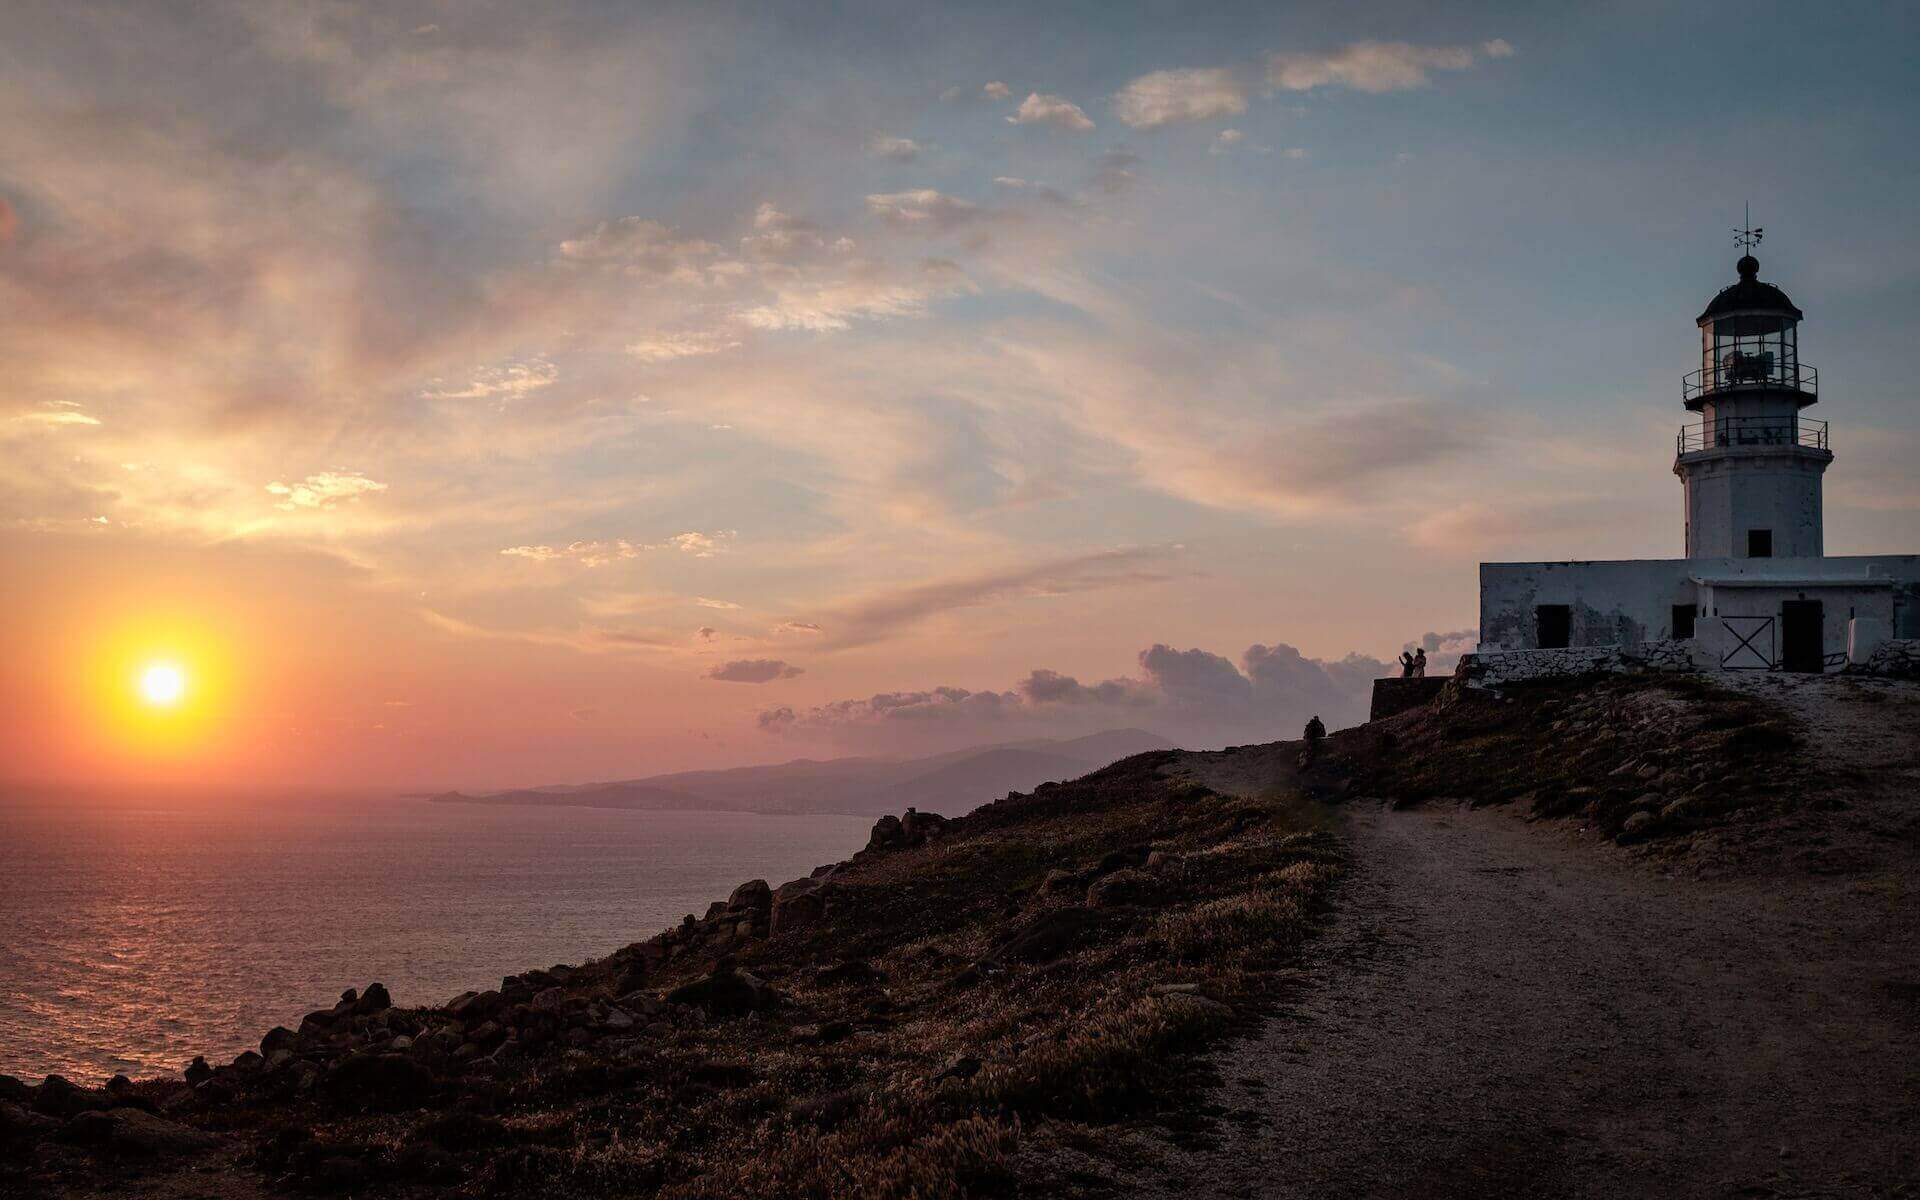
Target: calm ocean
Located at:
point(133, 938)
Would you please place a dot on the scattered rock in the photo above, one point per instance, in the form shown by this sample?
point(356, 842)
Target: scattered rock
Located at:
point(1128, 885)
point(726, 992)
point(386, 1082)
point(1637, 824)
point(278, 1038)
point(797, 905)
point(58, 1096)
point(133, 1131)
point(374, 999)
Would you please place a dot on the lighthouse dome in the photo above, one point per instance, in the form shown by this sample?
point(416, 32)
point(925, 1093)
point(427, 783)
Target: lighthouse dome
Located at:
point(1750, 295)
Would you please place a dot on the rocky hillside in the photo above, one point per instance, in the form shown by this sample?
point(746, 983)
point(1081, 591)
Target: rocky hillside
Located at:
point(898, 1024)
point(977, 1006)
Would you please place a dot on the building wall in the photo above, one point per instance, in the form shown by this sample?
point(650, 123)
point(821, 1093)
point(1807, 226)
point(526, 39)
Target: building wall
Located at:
point(1838, 606)
point(1628, 602)
point(1730, 492)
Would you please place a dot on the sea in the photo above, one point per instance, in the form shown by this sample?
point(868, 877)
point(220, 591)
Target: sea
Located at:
point(133, 937)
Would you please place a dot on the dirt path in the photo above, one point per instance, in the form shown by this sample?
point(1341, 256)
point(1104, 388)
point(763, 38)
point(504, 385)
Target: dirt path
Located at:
point(1505, 1010)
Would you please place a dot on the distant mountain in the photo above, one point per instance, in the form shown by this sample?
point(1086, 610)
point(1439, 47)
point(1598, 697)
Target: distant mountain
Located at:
point(951, 783)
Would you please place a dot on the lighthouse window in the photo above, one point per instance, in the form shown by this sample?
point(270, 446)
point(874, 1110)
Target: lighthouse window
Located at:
point(1683, 615)
point(1759, 543)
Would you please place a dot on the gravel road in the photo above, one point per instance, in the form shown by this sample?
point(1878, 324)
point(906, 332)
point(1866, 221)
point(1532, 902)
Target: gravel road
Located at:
point(1501, 1009)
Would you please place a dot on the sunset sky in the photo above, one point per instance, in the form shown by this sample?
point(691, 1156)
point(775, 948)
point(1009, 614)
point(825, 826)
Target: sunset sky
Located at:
point(472, 394)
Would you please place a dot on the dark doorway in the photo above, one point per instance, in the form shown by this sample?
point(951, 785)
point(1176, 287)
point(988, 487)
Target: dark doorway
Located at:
point(1759, 543)
point(1801, 648)
point(1553, 626)
point(1683, 615)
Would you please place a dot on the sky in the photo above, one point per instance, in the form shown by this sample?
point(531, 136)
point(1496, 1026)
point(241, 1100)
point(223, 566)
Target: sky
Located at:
point(487, 394)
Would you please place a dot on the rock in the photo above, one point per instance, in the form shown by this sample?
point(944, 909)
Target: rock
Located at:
point(470, 1006)
point(1637, 824)
point(1057, 881)
point(16, 1120)
point(379, 1081)
point(743, 930)
point(917, 826)
point(717, 908)
point(1048, 936)
point(248, 1061)
point(1125, 886)
point(752, 896)
point(726, 992)
point(15, 1090)
point(133, 1131)
point(278, 1038)
point(964, 1066)
point(886, 834)
point(1650, 802)
point(1174, 989)
point(852, 970)
point(551, 1000)
point(57, 1096)
point(1160, 860)
point(796, 905)
point(403, 1042)
point(373, 1000)
point(618, 1020)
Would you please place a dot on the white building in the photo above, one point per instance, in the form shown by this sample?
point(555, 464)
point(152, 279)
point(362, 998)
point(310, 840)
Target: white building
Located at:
point(1756, 590)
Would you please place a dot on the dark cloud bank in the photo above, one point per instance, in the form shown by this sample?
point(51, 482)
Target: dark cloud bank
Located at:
point(1195, 697)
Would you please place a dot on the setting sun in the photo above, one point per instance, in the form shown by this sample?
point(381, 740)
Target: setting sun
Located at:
point(163, 684)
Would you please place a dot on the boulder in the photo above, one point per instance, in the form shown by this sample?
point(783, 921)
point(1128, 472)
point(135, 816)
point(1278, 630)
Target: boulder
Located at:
point(58, 1096)
point(374, 999)
point(379, 1081)
point(1637, 824)
point(471, 1006)
point(917, 826)
point(1128, 885)
point(278, 1038)
point(752, 896)
point(17, 1120)
point(726, 992)
point(553, 999)
point(797, 905)
point(886, 834)
point(1048, 936)
point(134, 1132)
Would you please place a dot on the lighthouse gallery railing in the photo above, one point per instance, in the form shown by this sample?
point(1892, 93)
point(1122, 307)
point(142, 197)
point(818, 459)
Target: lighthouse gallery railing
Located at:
point(1741, 369)
point(1751, 431)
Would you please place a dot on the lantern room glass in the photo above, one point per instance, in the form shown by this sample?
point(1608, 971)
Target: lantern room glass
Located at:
point(1749, 349)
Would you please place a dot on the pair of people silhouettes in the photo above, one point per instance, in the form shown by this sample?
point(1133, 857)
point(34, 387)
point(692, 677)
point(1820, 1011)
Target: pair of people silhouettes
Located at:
point(1413, 666)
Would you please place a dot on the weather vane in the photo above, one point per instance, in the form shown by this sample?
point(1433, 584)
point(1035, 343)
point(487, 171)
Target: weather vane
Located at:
point(1749, 236)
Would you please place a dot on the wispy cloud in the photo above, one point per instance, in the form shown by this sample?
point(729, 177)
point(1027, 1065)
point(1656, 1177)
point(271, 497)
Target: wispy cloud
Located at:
point(324, 490)
point(893, 149)
point(1057, 111)
point(1376, 66)
point(1171, 97)
point(753, 670)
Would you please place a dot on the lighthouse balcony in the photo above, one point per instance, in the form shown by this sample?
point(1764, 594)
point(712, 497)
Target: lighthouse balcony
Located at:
point(1726, 432)
point(1750, 369)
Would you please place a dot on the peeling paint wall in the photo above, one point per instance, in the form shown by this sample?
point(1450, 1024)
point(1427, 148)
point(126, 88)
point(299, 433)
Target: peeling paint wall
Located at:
point(1629, 602)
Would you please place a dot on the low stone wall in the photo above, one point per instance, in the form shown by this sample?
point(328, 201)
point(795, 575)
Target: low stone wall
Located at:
point(1897, 657)
point(1496, 668)
point(1397, 695)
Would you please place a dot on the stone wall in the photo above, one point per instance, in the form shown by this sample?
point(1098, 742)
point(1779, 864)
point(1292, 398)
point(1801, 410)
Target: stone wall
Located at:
point(1490, 669)
point(1897, 657)
point(1392, 696)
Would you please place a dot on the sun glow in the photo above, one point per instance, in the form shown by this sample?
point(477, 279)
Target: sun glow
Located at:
point(163, 684)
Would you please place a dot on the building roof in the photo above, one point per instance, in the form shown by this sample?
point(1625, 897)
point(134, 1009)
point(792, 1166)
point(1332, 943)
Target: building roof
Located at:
point(1749, 295)
point(1792, 581)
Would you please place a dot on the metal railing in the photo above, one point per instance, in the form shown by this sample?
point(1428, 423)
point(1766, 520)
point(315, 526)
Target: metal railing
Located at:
point(1741, 369)
point(1750, 431)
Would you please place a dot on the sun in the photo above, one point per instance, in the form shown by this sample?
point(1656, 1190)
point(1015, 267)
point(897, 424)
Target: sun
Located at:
point(163, 684)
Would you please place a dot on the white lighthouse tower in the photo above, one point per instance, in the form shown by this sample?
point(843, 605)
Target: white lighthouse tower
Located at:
point(1751, 467)
point(1756, 590)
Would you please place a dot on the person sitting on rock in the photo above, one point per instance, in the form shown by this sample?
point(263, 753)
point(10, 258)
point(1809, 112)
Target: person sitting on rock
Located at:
point(1420, 663)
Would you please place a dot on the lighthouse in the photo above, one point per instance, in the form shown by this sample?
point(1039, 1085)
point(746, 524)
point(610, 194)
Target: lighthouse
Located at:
point(1751, 465)
point(1756, 590)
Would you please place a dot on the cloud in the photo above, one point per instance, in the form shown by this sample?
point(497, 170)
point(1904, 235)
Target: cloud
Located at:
point(1201, 698)
point(893, 149)
point(1115, 171)
point(508, 381)
point(882, 615)
point(1375, 66)
point(57, 413)
point(705, 602)
point(1038, 109)
point(807, 627)
point(996, 91)
point(600, 553)
point(641, 246)
point(1225, 141)
point(324, 490)
point(753, 670)
point(666, 347)
point(587, 554)
point(1171, 97)
point(1444, 649)
point(925, 210)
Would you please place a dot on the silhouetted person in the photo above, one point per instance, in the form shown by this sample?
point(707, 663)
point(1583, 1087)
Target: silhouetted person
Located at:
point(1406, 665)
point(1315, 730)
point(1420, 663)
